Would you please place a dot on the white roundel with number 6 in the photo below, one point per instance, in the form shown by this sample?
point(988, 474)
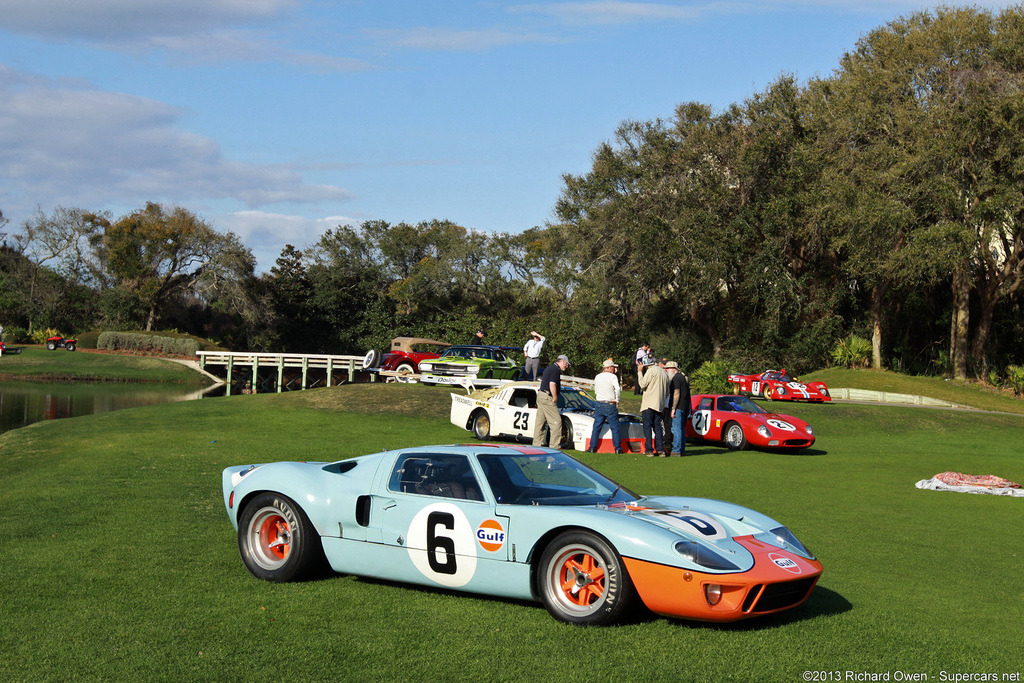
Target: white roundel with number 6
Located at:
point(702, 422)
point(442, 545)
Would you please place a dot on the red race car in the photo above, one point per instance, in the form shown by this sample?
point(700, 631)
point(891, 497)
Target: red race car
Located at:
point(737, 422)
point(778, 385)
point(405, 355)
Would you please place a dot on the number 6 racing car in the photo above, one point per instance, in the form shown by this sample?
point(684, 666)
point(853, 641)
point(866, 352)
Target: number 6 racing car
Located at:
point(516, 522)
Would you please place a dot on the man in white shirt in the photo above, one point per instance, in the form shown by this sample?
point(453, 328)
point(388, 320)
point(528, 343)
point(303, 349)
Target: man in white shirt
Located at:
point(607, 393)
point(532, 351)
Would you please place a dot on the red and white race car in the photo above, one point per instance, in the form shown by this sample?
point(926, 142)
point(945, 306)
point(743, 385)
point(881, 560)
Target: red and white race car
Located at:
point(737, 422)
point(778, 385)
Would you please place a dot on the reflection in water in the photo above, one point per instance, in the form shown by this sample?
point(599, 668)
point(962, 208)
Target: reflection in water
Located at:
point(23, 403)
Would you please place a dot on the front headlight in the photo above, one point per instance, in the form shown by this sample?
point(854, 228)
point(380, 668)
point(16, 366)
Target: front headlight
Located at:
point(473, 369)
point(783, 538)
point(824, 391)
point(705, 557)
point(781, 391)
point(426, 366)
point(809, 430)
point(764, 431)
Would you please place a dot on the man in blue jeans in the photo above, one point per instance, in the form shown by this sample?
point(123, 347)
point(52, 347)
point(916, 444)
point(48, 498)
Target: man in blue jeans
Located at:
point(678, 406)
point(607, 393)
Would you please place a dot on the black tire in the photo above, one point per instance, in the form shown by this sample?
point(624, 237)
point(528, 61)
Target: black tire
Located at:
point(602, 592)
point(372, 359)
point(70, 346)
point(277, 541)
point(51, 346)
point(489, 375)
point(482, 426)
point(567, 442)
point(733, 436)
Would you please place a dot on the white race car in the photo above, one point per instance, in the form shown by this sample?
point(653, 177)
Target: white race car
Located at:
point(510, 412)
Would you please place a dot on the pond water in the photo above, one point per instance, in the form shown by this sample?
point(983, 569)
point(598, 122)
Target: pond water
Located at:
point(22, 403)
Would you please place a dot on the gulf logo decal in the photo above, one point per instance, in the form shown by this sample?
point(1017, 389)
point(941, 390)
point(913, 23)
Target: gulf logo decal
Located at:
point(490, 535)
point(784, 562)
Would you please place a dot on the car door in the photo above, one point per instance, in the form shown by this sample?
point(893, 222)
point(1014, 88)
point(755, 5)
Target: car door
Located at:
point(702, 423)
point(434, 507)
point(515, 412)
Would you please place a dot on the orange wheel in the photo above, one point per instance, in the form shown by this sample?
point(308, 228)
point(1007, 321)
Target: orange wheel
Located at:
point(276, 540)
point(582, 580)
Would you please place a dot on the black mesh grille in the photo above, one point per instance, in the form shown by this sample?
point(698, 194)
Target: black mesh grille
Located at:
point(785, 594)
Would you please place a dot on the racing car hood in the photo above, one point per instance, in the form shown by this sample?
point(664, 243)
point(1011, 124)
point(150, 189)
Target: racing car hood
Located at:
point(724, 529)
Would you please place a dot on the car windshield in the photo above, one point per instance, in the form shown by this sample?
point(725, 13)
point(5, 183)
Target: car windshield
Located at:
point(549, 478)
point(738, 404)
point(468, 352)
point(573, 399)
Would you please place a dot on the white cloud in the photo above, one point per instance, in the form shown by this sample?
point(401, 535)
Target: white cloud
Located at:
point(85, 147)
point(105, 20)
point(266, 234)
point(456, 40)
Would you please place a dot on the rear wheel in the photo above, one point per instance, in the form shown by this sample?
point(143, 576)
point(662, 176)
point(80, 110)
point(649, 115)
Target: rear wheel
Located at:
point(567, 441)
point(734, 437)
point(51, 345)
point(583, 581)
point(481, 426)
point(70, 346)
point(277, 541)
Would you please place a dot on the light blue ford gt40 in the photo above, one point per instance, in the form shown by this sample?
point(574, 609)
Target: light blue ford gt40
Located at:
point(517, 522)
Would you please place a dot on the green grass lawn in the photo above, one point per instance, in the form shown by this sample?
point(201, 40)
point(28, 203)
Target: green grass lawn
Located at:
point(37, 363)
point(120, 563)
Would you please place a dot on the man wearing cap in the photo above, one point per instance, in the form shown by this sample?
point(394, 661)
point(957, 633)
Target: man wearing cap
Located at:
point(532, 352)
point(679, 407)
point(606, 392)
point(638, 361)
point(478, 339)
point(547, 404)
point(654, 385)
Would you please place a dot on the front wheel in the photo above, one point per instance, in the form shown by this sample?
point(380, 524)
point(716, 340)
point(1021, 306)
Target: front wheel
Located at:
point(51, 346)
point(567, 440)
point(70, 346)
point(277, 541)
point(734, 437)
point(583, 581)
point(481, 426)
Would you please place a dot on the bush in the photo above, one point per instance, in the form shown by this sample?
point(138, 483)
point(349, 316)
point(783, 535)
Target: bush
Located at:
point(852, 352)
point(40, 336)
point(710, 378)
point(1015, 378)
point(16, 335)
point(147, 343)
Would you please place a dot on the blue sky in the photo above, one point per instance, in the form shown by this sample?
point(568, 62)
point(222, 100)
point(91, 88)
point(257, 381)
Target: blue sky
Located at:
point(279, 119)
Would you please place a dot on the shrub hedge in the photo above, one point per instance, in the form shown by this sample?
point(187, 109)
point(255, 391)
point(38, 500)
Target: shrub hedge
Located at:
point(139, 342)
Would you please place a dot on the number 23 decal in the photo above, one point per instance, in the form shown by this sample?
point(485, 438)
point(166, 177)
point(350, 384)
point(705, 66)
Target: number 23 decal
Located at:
point(521, 420)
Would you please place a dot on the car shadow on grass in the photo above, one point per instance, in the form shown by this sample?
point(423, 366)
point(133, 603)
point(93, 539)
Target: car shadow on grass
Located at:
point(822, 602)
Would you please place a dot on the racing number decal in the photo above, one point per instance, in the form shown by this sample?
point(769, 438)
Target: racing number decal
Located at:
point(702, 422)
point(521, 420)
point(439, 547)
point(442, 546)
point(779, 424)
point(692, 522)
point(755, 387)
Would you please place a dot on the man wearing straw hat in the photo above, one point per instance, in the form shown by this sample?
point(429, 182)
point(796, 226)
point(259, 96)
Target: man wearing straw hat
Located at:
point(606, 393)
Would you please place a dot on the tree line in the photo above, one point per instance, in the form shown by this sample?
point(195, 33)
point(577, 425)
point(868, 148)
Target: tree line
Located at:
point(885, 201)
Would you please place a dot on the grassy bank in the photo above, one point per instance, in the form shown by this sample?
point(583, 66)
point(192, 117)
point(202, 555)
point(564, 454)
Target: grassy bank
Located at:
point(120, 562)
point(973, 394)
point(37, 363)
